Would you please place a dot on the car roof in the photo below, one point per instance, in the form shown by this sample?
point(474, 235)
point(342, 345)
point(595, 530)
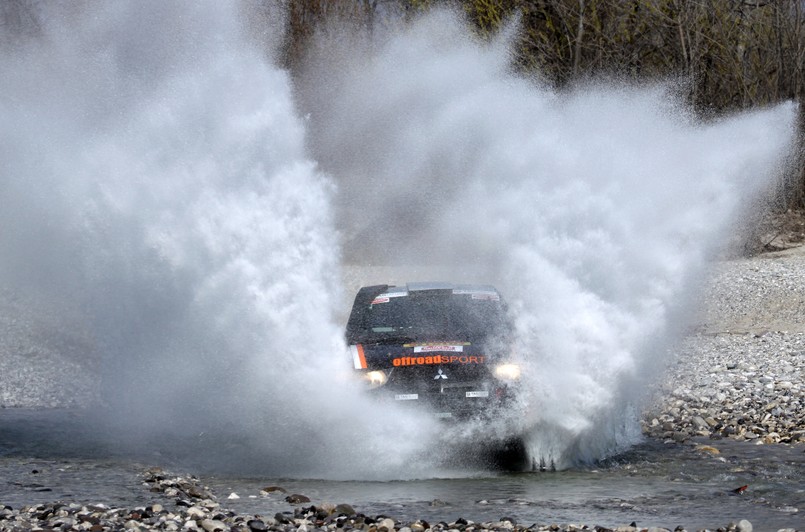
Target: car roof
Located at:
point(437, 285)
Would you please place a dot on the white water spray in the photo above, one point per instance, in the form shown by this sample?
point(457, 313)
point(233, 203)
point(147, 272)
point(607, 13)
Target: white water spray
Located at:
point(155, 177)
point(594, 210)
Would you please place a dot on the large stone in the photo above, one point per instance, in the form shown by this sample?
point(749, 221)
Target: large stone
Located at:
point(387, 523)
point(680, 436)
point(212, 525)
point(699, 423)
point(707, 449)
point(256, 524)
point(194, 512)
point(344, 509)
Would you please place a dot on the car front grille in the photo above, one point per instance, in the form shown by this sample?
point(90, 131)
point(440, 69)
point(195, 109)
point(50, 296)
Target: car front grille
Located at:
point(451, 392)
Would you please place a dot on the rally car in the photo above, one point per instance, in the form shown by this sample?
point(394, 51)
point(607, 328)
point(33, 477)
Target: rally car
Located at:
point(445, 347)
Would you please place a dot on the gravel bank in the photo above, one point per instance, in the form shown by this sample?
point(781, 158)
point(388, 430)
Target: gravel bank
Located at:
point(740, 375)
point(741, 386)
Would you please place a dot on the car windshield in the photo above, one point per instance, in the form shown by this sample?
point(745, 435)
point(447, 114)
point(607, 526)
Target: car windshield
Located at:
point(428, 317)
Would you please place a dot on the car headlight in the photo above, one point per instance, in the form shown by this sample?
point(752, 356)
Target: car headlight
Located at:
point(507, 372)
point(375, 379)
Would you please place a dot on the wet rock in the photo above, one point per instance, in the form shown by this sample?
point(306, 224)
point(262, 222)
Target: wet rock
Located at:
point(212, 525)
point(256, 524)
point(699, 423)
point(680, 436)
point(707, 449)
point(386, 523)
point(297, 498)
point(282, 519)
point(344, 509)
point(195, 512)
point(195, 491)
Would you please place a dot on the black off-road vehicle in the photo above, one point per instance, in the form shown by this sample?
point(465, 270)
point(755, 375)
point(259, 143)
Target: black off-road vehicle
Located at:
point(445, 347)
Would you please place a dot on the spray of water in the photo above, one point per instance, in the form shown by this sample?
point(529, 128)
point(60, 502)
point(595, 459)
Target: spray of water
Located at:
point(594, 210)
point(156, 180)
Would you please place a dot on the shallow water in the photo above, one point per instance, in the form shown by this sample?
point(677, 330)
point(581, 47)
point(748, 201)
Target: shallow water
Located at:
point(49, 455)
point(654, 484)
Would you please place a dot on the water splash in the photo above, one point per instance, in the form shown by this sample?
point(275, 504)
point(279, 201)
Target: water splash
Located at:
point(156, 178)
point(594, 210)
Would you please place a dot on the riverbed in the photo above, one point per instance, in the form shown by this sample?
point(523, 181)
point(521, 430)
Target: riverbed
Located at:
point(51, 455)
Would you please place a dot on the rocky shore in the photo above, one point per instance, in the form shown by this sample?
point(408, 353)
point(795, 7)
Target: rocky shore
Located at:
point(195, 508)
point(740, 374)
point(743, 386)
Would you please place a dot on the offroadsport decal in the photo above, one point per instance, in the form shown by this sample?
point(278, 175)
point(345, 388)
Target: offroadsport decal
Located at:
point(418, 354)
point(438, 359)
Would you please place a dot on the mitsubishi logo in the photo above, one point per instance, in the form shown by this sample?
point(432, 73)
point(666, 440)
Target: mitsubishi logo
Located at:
point(440, 375)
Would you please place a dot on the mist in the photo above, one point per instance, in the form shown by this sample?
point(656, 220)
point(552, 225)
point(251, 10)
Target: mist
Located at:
point(157, 184)
point(198, 211)
point(596, 210)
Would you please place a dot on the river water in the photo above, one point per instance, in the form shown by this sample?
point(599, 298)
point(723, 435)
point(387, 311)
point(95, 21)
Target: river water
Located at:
point(52, 455)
